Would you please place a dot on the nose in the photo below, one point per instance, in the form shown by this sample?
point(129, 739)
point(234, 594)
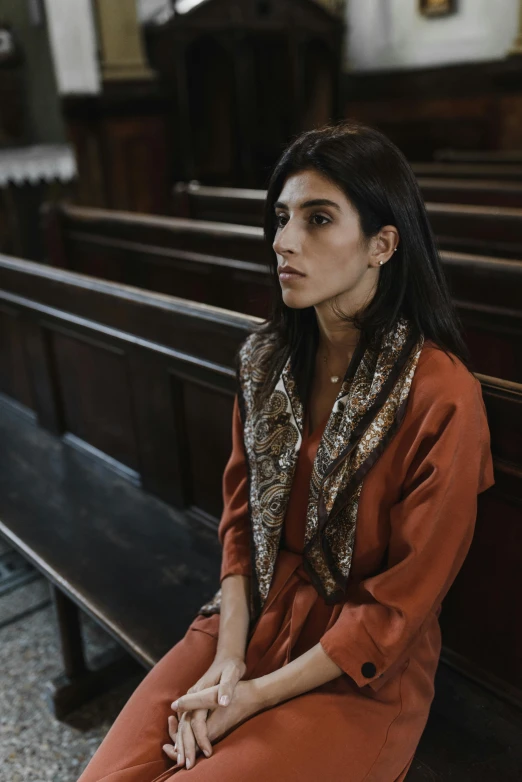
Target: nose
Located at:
point(286, 240)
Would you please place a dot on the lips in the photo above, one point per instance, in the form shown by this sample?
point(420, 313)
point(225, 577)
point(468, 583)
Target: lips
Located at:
point(285, 272)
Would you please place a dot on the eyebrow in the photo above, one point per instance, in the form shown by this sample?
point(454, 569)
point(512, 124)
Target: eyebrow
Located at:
point(313, 202)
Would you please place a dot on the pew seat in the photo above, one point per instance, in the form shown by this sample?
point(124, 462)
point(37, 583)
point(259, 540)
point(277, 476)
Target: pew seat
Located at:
point(137, 566)
point(141, 570)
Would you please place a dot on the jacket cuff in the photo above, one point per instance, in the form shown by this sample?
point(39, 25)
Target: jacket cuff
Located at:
point(362, 666)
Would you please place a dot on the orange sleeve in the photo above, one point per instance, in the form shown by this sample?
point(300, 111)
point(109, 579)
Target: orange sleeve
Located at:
point(234, 526)
point(448, 463)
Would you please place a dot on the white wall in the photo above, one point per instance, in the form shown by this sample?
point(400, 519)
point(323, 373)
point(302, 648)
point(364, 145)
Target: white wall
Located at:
point(388, 34)
point(74, 47)
point(148, 9)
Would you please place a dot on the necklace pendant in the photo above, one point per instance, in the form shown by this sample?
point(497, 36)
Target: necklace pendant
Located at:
point(334, 379)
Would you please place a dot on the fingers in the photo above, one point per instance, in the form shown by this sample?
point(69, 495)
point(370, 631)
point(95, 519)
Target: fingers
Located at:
point(180, 756)
point(205, 699)
point(189, 744)
point(227, 684)
point(189, 737)
point(198, 723)
point(170, 749)
point(173, 728)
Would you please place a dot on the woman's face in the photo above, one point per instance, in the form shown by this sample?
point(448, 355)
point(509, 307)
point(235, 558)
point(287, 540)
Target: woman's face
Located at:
point(319, 234)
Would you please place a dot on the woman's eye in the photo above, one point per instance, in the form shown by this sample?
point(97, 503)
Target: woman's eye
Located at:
point(313, 218)
point(321, 217)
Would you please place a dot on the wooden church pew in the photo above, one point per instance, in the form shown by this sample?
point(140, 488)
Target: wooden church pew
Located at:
point(484, 229)
point(480, 156)
point(488, 291)
point(241, 202)
point(507, 172)
point(115, 425)
point(211, 262)
point(481, 192)
point(116, 428)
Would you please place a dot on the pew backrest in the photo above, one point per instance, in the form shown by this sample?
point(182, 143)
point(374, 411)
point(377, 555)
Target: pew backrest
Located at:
point(487, 290)
point(482, 228)
point(145, 379)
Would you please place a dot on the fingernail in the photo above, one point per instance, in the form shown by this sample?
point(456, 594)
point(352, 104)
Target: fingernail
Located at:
point(188, 763)
point(207, 753)
point(223, 700)
point(174, 705)
point(179, 758)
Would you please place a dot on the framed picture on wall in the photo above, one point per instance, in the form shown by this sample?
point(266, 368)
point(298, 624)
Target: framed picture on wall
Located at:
point(437, 7)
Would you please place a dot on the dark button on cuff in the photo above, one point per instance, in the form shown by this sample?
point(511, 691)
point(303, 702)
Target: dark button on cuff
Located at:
point(368, 670)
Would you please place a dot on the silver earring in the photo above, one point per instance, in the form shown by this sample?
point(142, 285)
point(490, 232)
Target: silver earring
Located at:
point(395, 249)
point(380, 263)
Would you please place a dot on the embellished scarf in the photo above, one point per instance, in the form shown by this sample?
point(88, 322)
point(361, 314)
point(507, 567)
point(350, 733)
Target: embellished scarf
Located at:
point(367, 412)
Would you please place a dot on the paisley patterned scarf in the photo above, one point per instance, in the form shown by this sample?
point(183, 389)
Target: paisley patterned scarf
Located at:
point(366, 414)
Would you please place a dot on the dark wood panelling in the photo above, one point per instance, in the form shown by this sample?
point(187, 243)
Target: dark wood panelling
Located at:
point(494, 345)
point(176, 325)
point(94, 394)
point(489, 560)
point(120, 140)
point(120, 373)
point(482, 192)
point(45, 382)
point(483, 230)
point(470, 171)
point(156, 432)
point(14, 380)
point(504, 408)
point(137, 151)
point(495, 558)
point(207, 415)
point(467, 106)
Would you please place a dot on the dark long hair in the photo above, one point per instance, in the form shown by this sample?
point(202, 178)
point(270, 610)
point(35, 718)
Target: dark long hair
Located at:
point(378, 181)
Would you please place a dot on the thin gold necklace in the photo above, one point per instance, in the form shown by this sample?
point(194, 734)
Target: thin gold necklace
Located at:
point(333, 378)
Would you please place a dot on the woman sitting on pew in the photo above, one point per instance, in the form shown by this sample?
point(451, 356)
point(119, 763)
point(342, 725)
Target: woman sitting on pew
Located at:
point(360, 444)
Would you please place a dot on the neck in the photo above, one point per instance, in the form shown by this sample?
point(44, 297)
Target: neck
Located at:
point(337, 342)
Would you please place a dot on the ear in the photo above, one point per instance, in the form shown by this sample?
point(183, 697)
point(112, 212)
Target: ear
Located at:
point(384, 244)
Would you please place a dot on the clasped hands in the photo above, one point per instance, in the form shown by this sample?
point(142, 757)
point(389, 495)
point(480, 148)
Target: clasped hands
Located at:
point(216, 704)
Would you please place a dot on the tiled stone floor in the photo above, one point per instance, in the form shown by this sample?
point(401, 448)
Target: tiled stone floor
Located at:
point(34, 746)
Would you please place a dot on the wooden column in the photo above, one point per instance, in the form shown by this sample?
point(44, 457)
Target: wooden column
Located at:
point(122, 52)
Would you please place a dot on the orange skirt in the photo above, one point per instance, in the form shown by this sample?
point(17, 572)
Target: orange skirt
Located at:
point(338, 732)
